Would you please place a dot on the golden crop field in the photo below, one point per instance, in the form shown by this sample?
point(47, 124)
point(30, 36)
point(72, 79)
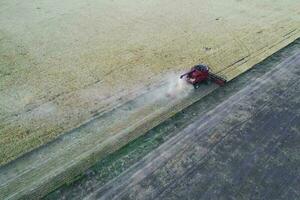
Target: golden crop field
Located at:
point(63, 61)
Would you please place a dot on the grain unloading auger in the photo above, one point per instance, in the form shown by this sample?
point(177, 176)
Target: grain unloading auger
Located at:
point(201, 74)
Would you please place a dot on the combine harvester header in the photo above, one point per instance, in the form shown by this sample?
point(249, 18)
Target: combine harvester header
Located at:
point(201, 74)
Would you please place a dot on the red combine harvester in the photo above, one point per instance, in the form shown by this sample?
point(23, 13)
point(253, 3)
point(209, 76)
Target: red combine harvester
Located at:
point(201, 74)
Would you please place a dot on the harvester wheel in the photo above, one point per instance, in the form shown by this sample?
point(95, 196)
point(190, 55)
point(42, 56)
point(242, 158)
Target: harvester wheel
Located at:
point(196, 86)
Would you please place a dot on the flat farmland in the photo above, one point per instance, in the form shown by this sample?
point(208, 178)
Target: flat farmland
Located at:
point(85, 76)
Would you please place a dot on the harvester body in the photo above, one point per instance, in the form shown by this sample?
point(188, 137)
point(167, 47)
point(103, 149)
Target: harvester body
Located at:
point(201, 74)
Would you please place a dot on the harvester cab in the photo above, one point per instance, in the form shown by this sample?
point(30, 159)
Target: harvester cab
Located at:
point(201, 74)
